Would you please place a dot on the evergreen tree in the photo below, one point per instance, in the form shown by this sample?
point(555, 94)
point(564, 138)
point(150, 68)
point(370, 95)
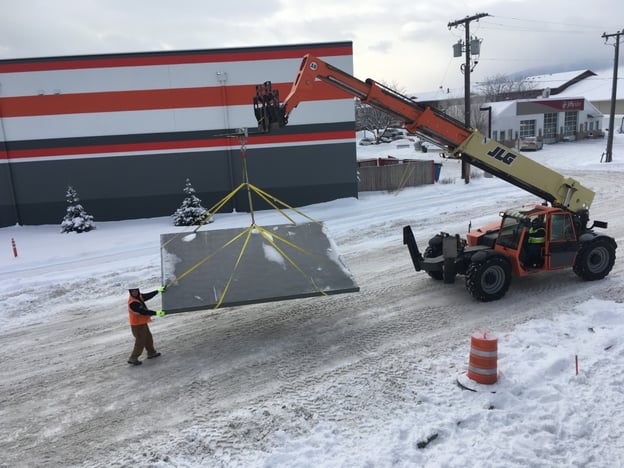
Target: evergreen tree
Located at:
point(76, 218)
point(191, 212)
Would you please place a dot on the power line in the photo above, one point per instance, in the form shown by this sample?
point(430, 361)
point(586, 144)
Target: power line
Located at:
point(532, 20)
point(537, 26)
point(504, 27)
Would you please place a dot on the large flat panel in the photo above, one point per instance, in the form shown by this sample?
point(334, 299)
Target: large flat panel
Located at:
point(221, 268)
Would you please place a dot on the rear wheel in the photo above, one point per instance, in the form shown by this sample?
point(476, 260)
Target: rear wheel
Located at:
point(489, 280)
point(595, 260)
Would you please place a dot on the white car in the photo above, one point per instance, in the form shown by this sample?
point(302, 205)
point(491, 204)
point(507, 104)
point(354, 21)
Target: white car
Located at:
point(530, 143)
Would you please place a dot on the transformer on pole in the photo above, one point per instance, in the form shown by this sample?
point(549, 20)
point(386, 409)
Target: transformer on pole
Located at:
point(471, 46)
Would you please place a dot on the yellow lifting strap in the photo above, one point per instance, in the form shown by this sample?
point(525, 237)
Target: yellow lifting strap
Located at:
point(208, 257)
point(214, 209)
point(268, 236)
point(270, 199)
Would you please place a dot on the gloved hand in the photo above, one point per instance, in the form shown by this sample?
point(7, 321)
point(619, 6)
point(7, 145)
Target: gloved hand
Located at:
point(161, 289)
point(160, 313)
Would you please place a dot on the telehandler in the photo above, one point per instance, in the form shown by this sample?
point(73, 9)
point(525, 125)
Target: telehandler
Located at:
point(488, 256)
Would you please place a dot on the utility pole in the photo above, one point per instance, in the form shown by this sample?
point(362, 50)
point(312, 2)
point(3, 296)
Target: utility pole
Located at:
point(467, 68)
point(605, 36)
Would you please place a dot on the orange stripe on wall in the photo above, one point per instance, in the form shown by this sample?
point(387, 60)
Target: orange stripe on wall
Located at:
point(120, 101)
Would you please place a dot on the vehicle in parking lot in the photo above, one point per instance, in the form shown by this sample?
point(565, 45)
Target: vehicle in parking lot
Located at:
point(530, 143)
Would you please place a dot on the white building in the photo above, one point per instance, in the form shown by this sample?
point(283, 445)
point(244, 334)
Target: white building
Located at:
point(553, 107)
point(548, 119)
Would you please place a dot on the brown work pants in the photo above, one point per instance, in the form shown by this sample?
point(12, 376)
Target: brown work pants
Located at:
point(142, 340)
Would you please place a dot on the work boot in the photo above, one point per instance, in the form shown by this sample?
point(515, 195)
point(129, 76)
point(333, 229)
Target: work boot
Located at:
point(152, 356)
point(134, 362)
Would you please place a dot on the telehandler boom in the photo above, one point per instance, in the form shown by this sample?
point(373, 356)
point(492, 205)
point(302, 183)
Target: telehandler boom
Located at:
point(488, 256)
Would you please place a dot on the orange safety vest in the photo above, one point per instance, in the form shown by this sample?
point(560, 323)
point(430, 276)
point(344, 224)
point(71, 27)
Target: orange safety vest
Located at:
point(134, 317)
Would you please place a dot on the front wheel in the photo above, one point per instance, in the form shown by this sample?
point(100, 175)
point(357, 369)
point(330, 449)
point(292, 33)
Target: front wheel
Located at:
point(489, 280)
point(595, 260)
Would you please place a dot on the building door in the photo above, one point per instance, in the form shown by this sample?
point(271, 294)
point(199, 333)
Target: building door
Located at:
point(550, 127)
point(569, 125)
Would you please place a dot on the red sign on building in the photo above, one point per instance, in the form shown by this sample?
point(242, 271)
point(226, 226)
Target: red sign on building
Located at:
point(550, 105)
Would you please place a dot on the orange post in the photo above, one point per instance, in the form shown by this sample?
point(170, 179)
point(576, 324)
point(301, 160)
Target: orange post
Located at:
point(482, 365)
point(14, 247)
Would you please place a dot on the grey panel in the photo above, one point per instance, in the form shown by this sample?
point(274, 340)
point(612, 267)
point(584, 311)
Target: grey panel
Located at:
point(228, 267)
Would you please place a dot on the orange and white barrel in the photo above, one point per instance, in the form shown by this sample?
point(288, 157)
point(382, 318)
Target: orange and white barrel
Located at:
point(482, 364)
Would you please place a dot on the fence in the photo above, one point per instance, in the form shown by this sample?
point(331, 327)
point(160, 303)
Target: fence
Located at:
point(396, 175)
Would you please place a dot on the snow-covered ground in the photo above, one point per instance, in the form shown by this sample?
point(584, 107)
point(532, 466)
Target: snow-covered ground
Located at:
point(367, 379)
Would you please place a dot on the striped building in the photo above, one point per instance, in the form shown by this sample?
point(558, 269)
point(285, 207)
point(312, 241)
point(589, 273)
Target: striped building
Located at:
point(127, 130)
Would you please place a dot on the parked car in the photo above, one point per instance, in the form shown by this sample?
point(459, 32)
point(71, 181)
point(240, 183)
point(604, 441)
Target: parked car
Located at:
point(530, 143)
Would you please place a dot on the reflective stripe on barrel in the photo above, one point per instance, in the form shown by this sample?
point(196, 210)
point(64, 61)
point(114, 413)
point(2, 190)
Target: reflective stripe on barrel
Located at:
point(482, 365)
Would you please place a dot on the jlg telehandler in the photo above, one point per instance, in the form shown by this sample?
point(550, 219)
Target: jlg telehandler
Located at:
point(488, 256)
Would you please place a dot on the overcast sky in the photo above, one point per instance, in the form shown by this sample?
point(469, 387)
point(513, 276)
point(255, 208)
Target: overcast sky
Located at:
point(404, 43)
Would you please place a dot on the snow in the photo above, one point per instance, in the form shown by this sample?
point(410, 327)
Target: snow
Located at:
point(553, 80)
point(595, 88)
point(367, 379)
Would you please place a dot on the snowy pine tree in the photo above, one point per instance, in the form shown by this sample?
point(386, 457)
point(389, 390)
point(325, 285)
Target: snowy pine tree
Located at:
point(191, 213)
point(76, 218)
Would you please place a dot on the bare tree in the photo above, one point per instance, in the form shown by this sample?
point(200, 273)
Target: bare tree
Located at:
point(501, 87)
point(478, 118)
point(374, 120)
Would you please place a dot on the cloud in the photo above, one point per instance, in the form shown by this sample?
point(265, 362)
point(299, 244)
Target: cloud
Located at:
point(395, 41)
point(381, 47)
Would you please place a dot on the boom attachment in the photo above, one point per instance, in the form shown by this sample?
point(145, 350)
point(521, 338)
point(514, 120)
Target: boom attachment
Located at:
point(269, 112)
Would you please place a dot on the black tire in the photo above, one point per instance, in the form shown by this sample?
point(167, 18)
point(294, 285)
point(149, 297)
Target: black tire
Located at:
point(430, 252)
point(489, 280)
point(594, 260)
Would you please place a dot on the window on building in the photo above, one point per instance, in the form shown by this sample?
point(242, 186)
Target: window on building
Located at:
point(591, 126)
point(495, 135)
point(569, 123)
point(527, 128)
point(550, 125)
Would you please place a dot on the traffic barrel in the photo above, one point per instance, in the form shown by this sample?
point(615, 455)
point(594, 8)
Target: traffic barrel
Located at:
point(482, 364)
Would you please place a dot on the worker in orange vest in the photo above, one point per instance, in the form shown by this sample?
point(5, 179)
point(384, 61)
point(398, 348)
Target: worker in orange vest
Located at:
point(139, 316)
